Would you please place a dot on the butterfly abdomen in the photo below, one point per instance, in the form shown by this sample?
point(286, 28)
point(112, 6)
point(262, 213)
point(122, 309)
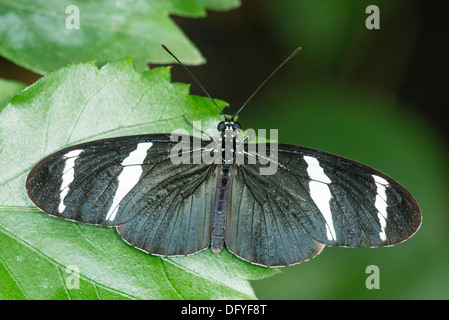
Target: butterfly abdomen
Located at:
point(220, 208)
point(222, 195)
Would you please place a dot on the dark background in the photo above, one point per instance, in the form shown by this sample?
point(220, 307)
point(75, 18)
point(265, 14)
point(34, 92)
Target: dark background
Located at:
point(377, 96)
point(407, 57)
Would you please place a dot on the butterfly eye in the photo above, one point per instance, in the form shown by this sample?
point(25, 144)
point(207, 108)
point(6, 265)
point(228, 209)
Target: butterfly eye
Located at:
point(221, 126)
point(236, 126)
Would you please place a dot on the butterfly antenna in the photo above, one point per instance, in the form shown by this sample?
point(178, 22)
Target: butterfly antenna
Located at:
point(194, 78)
point(262, 84)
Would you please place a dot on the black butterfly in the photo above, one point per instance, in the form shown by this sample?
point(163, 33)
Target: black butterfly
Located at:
point(313, 199)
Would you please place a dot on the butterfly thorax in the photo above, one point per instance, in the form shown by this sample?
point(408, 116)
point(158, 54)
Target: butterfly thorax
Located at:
point(229, 133)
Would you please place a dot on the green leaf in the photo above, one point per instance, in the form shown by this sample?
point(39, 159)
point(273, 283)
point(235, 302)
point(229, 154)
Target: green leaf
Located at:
point(80, 103)
point(8, 88)
point(34, 34)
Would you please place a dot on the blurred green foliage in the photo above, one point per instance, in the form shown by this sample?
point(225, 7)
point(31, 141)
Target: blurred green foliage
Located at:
point(46, 35)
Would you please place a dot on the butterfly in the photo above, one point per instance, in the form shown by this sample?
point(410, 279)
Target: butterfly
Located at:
point(167, 208)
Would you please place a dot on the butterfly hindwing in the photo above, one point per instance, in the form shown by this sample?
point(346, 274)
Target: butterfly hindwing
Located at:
point(176, 219)
point(261, 227)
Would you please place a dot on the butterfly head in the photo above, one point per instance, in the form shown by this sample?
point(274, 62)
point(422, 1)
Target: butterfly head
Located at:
point(228, 125)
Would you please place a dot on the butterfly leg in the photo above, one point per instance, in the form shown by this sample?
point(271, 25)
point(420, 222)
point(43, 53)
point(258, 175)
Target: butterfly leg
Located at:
point(191, 124)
